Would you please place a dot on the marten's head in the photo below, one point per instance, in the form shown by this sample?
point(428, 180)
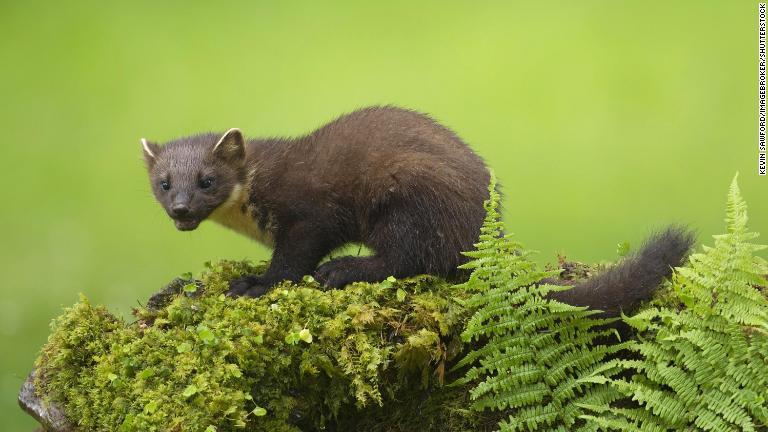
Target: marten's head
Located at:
point(193, 176)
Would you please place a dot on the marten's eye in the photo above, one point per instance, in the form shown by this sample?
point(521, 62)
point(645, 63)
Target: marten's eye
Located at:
point(165, 185)
point(206, 182)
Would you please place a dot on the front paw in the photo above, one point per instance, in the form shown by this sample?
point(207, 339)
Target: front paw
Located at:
point(248, 286)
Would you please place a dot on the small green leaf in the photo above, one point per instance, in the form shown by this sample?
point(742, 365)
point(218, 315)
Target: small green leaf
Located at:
point(308, 279)
point(187, 275)
point(112, 377)
point(305, 335)
point(190, 287)
point(234, 370)
point(387, 283)
point(146, 373)
point(210, 428)
point(183, 347)
point(292, 338)
point(259, 411)
point(189, 391)
point(205, 335)
point(622, 249)
point(259, 339)
point(400, 294)
point(151, 407)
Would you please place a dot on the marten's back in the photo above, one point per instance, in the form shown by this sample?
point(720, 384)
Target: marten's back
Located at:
point(380, 151)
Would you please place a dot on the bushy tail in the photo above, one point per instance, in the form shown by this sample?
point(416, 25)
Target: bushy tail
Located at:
point(625, 285)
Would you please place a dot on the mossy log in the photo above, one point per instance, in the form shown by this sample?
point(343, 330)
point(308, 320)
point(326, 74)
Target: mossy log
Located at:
point(298, 358)
point(370, 356)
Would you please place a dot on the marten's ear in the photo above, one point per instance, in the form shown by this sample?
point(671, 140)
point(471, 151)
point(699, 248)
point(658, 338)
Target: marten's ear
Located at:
point(150, 152)
point(231, 146)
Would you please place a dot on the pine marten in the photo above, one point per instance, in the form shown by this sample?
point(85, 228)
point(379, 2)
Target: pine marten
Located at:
point(392, 179)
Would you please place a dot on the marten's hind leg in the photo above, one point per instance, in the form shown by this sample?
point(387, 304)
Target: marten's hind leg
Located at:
point(406, 241)
point(339, 272)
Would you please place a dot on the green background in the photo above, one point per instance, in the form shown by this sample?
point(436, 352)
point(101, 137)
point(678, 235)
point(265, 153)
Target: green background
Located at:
point(603, 120)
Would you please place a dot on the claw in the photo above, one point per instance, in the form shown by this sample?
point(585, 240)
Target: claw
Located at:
point(248, 286)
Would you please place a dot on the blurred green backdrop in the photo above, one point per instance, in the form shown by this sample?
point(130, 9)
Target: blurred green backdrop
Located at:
point(602, 119)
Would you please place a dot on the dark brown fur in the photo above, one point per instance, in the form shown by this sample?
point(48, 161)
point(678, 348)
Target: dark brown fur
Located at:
point(626, 285)
point(392, 179)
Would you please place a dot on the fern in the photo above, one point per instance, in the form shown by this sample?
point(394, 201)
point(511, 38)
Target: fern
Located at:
point(705, 367)
point(537, 360)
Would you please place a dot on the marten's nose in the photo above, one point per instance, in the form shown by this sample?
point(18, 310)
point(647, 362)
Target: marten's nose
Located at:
point(180, 210)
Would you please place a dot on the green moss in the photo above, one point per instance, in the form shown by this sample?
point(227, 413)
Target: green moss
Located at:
point(299, 358)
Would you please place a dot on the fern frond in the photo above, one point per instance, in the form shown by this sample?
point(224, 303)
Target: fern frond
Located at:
point(705, 367)
point(537, 360)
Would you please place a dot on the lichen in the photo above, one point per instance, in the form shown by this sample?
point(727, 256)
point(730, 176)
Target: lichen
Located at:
point(298, 358)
